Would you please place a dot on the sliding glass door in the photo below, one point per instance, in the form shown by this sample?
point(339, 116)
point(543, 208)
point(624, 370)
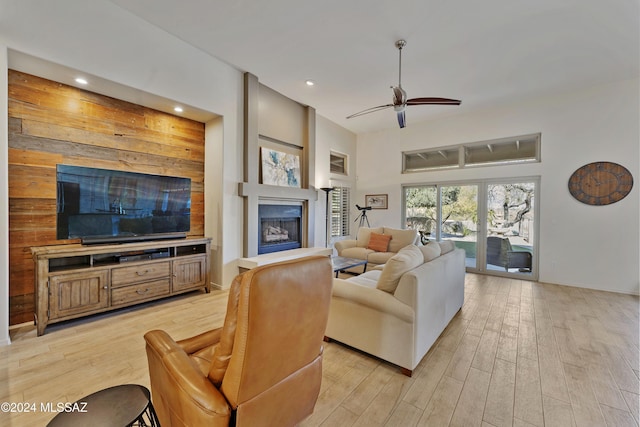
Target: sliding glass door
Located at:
point(444, 213)
point(510, 225)
point(421, 211)
point(459, 206)
point(494, 222)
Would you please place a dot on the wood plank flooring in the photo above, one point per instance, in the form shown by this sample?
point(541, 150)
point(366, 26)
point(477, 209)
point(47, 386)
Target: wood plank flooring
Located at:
point(519, 353)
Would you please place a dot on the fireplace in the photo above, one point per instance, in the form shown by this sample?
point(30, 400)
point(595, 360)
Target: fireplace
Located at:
point(279, 227)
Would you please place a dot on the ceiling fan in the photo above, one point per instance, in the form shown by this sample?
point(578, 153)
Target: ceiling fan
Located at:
point(400, 100)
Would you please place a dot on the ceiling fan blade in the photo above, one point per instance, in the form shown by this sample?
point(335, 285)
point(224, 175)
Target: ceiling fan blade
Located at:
point(401, 119)
point(433, 101)
point(370, 110)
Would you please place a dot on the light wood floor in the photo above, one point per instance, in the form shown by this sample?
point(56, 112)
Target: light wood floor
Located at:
point(518, 353)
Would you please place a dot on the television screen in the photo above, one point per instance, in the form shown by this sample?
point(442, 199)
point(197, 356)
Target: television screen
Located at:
point(100, 205)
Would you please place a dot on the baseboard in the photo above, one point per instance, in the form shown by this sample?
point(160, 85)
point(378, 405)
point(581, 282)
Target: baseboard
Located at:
point(592, 288)
point(218, 287)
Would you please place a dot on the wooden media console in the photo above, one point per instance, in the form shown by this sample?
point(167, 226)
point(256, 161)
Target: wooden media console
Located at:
point(78, 280)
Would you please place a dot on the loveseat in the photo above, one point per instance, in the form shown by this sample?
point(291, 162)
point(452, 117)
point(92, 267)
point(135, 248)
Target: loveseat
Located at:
point(376, 245)
point(397, 311)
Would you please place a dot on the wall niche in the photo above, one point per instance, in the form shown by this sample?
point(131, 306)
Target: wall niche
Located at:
point(51, 123)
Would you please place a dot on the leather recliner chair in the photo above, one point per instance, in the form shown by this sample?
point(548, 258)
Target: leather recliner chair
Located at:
point(263, 367)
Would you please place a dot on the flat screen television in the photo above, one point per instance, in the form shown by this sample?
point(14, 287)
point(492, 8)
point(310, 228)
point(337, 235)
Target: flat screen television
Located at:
point(109, 206)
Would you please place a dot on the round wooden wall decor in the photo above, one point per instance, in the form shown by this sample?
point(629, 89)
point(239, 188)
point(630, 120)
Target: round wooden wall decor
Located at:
point(600, 183)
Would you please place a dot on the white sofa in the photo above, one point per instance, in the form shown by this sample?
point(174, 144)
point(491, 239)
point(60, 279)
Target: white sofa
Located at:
point(400, 325)
point(359, 247)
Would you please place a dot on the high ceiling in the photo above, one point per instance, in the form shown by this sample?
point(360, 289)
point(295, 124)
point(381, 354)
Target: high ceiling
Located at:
point(482, 52)
point(488, 53)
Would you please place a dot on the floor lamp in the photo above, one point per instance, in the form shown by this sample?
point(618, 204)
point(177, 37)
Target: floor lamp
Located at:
point(327, 190)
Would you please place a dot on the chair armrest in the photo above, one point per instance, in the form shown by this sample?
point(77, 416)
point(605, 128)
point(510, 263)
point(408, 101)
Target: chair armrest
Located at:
point(519, 259)
point(341, 245)
point(206, 339)
point(179, 377)
point(372, 298)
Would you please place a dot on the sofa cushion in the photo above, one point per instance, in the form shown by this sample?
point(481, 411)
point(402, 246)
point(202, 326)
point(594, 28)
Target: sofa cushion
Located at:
point(362, 239)
point(368, 279)
point(430, 251)
point(400, 238)
point(446, 246)
point(358, 253)
point(379, 257)
point(378, 242)
point(406, 259)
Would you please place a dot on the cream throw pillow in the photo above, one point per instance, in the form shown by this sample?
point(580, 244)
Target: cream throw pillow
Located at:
point(406, 259)
point(430, 251)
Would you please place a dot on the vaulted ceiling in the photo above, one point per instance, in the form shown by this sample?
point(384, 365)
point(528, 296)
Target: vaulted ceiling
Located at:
point(485, 53)
point(482, 52)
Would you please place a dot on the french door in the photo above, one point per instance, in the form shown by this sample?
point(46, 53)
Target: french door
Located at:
point(495, 222)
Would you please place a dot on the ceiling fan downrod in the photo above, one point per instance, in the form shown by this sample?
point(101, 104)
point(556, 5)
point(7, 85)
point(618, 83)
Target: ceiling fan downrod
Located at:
point(400, 44)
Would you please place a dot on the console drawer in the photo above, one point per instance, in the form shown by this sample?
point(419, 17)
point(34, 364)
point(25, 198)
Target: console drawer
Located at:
point(121, 276)
point(142, 291)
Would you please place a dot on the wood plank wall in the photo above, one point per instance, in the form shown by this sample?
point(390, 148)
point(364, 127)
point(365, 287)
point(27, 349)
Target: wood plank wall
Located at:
point(51, 123)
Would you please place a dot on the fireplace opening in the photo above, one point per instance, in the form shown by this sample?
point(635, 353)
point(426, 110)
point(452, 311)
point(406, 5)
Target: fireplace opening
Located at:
point(279, 228)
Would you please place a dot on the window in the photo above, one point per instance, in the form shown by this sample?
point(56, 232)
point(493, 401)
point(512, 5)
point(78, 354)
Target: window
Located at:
point(338, 163)
point(524, 148)
point(340, 211)
point(436, 159)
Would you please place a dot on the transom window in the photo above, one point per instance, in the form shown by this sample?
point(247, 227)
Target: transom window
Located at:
point(338, 163)
point(517, 149)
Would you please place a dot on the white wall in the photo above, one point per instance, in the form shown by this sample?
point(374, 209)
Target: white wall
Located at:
point(580, 245)
point(331, 137)
point(103, 40)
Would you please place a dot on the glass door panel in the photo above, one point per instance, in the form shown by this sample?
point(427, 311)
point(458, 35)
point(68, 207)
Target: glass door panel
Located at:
point(459, 221)
point(421, 211)
point(510, 227)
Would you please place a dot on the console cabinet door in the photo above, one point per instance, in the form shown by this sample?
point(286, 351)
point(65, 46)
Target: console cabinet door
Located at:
point(189, 273)
point(74, 293)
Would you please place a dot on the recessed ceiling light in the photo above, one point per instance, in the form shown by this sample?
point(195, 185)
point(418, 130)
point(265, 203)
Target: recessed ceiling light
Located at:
point(178, 109)
point(310, 82)
point(81, 81)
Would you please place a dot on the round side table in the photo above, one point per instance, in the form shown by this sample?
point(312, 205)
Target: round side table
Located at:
point(121, 405)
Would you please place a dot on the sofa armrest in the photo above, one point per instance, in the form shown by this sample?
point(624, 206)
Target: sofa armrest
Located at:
point(341, 245)
point(373, 298)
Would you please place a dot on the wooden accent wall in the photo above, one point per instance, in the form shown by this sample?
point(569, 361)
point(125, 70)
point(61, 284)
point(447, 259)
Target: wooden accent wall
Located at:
point(51, 123)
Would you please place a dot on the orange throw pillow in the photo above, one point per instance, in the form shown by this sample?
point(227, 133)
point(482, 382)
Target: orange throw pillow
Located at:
point(379, 242)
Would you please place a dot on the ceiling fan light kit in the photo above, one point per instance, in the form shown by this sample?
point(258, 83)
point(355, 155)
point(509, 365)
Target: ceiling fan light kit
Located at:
point(400, 100)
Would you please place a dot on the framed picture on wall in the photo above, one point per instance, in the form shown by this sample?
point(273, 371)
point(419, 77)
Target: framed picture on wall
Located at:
point(376, 201)
point(278, 168)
